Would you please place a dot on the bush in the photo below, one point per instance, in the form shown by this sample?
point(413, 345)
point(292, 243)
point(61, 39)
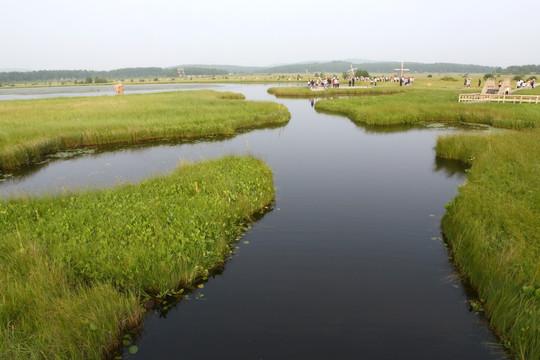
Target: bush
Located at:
point(430, 76)
point(360, 73)
point(448, 78)
point(488, 76)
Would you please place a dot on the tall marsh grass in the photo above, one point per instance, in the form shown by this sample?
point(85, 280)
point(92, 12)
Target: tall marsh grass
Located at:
point(305, 92)
point(431, 105)
point(493, 226)
point(30, 129)
point(72, 266)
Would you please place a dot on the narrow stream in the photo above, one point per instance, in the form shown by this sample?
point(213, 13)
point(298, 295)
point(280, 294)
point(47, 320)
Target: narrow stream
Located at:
point(350, 264)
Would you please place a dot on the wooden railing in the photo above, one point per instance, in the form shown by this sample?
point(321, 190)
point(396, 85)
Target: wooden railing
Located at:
point(467, 98)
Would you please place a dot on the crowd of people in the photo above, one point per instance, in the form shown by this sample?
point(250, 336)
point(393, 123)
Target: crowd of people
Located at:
point(522, 84)
point(325, 83)
point(334, 81)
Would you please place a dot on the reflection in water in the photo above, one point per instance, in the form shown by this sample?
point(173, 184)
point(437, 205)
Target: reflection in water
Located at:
point(349, 264)
point(449, 167)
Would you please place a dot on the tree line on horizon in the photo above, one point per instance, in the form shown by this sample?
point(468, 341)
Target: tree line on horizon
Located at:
point(213, 70)
point(118, 74)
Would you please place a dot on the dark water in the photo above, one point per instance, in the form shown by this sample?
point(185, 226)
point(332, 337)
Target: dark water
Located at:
point(349, 265)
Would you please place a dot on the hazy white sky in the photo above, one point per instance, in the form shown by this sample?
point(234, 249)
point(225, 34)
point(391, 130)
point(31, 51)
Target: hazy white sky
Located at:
point(111, 34)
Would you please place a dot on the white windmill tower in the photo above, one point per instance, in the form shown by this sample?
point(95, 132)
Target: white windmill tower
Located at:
point(351, 71)
point(401, 71)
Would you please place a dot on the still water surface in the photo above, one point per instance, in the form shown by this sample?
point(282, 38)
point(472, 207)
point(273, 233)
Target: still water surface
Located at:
point(349, 264)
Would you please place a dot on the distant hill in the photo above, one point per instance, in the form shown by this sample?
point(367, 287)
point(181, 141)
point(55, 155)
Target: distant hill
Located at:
point(231, 69)
point(332, 66)
point(340, 66)
point(414, 67)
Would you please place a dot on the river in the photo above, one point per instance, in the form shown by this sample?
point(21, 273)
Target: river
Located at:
point(350, 263)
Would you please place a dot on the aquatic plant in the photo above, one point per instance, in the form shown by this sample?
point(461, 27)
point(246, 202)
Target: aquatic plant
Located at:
point(73, 267)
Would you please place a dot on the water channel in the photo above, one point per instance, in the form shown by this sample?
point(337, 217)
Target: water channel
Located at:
point(349, 264)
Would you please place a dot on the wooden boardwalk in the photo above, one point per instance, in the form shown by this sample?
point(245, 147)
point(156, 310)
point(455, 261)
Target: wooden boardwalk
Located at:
point(468, 98)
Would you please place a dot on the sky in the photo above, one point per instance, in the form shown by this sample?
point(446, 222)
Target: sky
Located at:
point(112, 34)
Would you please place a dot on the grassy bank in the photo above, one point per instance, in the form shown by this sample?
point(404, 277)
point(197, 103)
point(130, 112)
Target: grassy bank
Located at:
point(71, 266)
point(305, 92)
point(30, 129)
point(493, 226)
point(431, 105)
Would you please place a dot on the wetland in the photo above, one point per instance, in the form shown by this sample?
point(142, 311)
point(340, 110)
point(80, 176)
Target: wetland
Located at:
point(349, 261)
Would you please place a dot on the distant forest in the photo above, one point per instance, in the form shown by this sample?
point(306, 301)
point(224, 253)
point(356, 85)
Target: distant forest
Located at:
point(119, 74)
point(212, 70)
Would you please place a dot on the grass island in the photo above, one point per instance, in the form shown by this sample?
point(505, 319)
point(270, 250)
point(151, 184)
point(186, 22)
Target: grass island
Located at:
point(30, 129)
point(74, 268)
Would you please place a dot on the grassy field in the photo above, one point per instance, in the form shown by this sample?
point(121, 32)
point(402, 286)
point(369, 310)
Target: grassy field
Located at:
point(30, 129)
point(420, 105)
point(493, 225)
point(447, 80)
point(305, 92)
point(73, 268)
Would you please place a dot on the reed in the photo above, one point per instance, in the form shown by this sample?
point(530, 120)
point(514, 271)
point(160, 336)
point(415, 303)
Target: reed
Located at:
point(493, 226)
point(417, 106)
point(304, 92)
point(30, 129)
point(72, 267)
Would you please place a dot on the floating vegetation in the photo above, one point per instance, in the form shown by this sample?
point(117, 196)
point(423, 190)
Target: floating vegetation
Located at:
point(71, 153)
point(436, 125)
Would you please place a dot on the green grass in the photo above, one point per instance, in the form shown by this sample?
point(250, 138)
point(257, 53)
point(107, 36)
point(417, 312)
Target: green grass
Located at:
point(493, 226)
point(421, 105)
point(30, 129)
point(305, 92)
point(528, 91)
point(72, 267)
